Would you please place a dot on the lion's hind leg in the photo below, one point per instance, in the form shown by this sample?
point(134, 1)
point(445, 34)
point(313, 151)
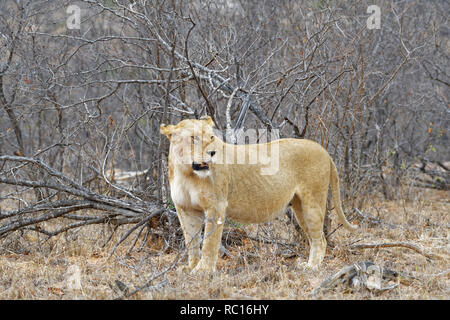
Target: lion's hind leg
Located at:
point(310, 213)
point(298, 211)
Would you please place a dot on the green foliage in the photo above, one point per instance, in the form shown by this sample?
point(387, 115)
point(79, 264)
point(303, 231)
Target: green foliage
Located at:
point(431, 148)
point(170, 204)
point(110, 4)
point(321, 4)
point(235, 224)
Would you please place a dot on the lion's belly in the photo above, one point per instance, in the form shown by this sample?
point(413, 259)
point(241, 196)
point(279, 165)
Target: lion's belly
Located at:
point(257, 207)
point(253, 216)
point(255, 198)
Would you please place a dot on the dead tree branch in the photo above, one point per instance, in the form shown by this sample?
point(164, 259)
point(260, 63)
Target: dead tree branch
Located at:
point(393, 245)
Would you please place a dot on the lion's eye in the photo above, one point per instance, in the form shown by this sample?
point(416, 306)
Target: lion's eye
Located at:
point(212, 137)
point(194, 139)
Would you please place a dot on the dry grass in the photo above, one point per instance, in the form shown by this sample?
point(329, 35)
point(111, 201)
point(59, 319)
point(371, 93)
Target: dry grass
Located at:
point(32, 268)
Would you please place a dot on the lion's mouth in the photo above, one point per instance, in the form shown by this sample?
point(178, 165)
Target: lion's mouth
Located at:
point(200, 166)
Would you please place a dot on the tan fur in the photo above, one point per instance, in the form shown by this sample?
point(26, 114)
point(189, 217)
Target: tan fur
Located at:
point(241, 192)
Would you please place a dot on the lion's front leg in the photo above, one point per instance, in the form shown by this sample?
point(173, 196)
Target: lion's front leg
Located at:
point(215, 218)
point(191, 224)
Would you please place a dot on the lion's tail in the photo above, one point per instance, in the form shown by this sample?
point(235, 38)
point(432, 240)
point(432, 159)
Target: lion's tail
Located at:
point(336, 193)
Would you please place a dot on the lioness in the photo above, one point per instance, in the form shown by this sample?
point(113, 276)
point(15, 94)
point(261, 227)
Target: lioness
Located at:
point(209, 179)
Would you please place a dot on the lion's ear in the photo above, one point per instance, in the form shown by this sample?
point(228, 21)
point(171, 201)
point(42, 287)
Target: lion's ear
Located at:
point(208, 120)
point(166, 130)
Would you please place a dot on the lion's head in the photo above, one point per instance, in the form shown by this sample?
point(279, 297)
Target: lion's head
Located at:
point(192, 144)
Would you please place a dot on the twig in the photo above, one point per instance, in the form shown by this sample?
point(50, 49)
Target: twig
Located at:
point(127, 234)
point(186, 52)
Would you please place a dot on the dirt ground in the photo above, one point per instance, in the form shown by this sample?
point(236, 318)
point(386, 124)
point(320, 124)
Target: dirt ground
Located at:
point(75, 265)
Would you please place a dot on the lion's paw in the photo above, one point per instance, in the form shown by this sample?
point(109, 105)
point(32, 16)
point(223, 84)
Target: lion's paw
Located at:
point(306, 266)
point(184, 269)
point(202, 269)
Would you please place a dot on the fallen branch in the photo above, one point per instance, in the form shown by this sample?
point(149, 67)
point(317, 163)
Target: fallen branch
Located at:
point(363, 275)
point(129, 232)
point(392, 245)
point(76, 197)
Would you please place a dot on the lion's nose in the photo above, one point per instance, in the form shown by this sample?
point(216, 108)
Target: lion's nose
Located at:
point(211, 153)
point(200, 166)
